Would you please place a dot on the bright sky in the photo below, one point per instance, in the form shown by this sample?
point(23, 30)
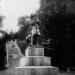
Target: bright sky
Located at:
point(13, 9)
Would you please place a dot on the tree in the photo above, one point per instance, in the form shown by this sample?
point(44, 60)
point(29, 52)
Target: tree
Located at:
point(59, 23)
point(25, 27)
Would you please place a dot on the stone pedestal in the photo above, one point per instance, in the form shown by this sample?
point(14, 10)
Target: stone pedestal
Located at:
point(35, 63)
point(36, 51)
point(33, 70)
point(35, 57)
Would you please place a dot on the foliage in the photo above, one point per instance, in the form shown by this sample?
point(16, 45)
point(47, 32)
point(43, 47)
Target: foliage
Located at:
point(59, 25)
point(25, 27)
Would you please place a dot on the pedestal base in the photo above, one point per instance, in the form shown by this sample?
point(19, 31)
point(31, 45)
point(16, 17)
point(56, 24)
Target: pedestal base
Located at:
point(35, 51)
point(33, 70)
point(35, 61)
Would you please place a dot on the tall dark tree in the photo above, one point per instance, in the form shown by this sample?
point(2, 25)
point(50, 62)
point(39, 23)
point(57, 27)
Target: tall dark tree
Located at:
point(3, 39)
point(58, 19)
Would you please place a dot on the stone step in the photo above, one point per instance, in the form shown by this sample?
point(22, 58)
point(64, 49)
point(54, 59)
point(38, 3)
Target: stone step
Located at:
point(35, 61)
point(33, 70)
point(34, 51)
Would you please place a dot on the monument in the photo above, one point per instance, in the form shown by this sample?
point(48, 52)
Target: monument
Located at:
point(34, 62)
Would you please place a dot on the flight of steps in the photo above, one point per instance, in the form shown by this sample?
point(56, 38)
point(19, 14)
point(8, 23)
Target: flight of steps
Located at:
point(36, 63)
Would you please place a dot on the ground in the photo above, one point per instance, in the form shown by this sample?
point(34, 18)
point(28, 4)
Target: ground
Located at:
point(67, 73)
point(11, 72)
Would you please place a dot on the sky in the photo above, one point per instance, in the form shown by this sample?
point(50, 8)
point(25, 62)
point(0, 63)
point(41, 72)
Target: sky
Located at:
point(13, 9)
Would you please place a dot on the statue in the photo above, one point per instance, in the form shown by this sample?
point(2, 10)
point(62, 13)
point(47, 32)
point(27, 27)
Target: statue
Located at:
point(35, 31)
